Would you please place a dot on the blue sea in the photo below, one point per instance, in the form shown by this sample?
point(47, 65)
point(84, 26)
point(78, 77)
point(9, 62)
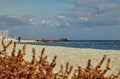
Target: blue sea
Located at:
point(96, 44)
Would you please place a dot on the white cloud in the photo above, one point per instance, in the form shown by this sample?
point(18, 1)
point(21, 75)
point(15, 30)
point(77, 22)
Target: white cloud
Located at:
point(89, 3)
point(50, 23)
point(83, 19)
point(61, 17)
point(46, 22)
point(8, 20)
point(90, 13)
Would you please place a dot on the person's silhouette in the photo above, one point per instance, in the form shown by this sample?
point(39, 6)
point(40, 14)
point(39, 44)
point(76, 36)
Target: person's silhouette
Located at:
point(19, 38)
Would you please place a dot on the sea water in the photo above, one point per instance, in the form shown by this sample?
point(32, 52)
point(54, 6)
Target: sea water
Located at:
point(96, 44)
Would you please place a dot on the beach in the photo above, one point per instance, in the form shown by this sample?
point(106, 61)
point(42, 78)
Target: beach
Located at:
point(78, 57)
point(75, 56)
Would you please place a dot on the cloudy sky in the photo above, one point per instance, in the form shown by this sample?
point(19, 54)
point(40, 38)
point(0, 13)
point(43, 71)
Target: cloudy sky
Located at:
point(55, 19)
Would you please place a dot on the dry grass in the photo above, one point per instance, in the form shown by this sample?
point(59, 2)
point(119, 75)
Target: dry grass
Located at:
point(15, 67)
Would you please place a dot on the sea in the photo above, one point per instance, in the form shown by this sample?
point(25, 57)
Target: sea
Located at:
point(95, 44)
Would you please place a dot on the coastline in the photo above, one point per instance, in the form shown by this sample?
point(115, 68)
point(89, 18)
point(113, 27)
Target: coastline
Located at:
point(75, 56)
point(94, 44)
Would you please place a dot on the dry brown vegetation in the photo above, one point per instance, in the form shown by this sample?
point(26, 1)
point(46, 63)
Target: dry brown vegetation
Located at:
point(15, 67)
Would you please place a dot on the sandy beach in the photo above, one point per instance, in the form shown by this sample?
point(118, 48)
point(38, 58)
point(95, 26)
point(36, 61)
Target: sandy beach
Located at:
point(75, 56)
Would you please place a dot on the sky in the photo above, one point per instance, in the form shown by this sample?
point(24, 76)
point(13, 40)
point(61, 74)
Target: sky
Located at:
point(55, 19)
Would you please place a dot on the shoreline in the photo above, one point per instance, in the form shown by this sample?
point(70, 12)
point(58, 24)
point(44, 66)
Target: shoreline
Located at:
point(113, 45)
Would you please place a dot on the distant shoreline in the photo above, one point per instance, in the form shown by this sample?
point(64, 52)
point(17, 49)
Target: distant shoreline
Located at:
point(94, 44)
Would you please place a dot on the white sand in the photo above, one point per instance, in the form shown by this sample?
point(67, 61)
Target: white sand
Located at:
point(75, 56)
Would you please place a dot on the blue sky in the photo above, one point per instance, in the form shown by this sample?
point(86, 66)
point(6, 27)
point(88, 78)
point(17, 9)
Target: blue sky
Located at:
point(55, 19)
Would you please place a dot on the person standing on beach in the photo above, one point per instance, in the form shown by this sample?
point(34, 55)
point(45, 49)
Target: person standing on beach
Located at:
point(19, 38)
